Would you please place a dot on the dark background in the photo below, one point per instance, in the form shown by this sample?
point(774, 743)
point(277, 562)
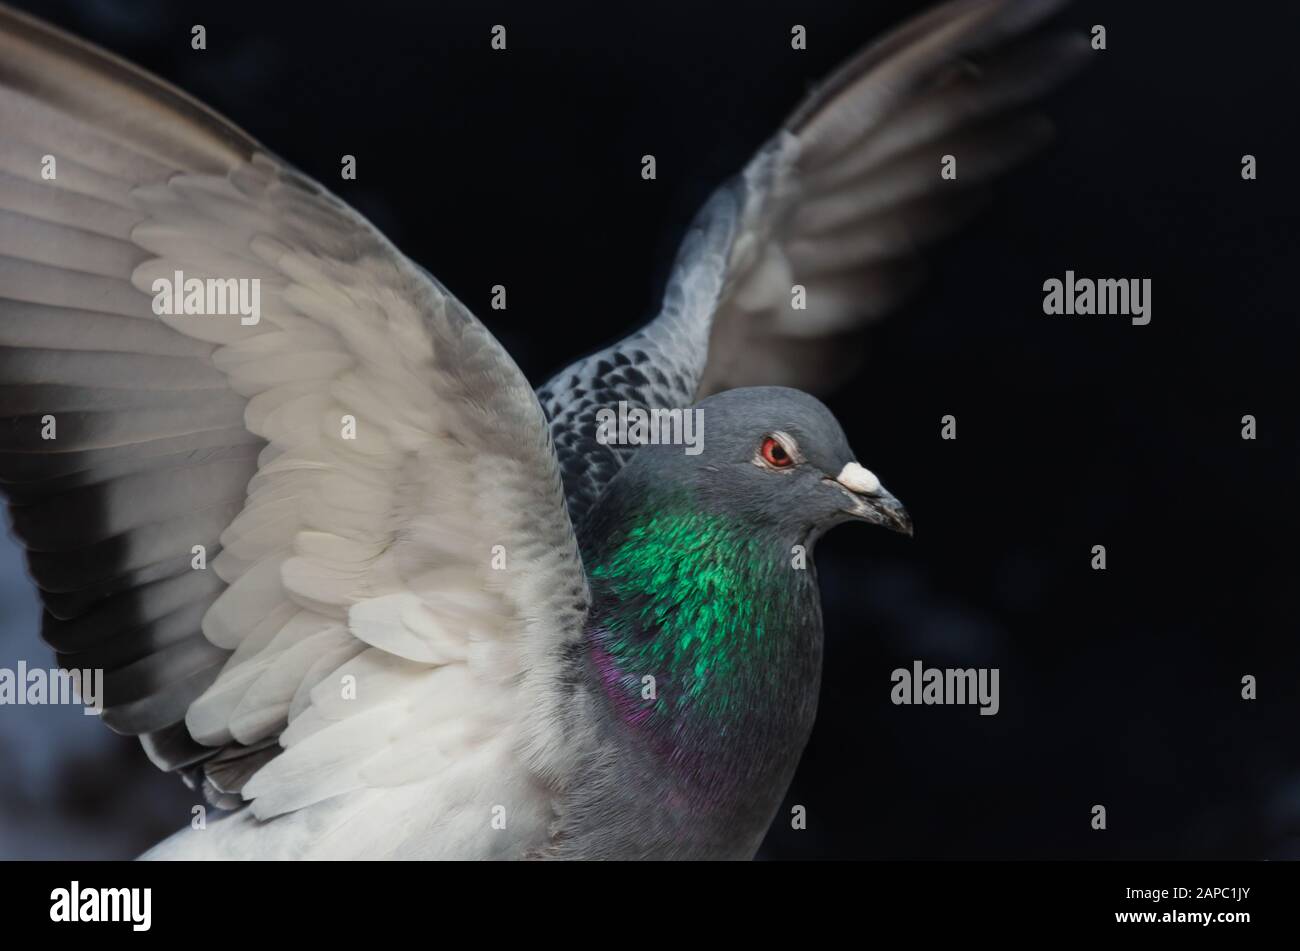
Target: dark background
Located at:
point(1119, 687)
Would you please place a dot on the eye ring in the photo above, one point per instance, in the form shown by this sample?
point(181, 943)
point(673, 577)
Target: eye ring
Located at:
point(774, 453)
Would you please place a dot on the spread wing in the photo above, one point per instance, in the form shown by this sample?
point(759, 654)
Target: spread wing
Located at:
point(838, 203)
point(389, 574)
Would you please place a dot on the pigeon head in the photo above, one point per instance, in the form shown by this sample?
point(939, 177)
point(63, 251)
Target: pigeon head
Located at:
point(774, 458)
point(695, 558)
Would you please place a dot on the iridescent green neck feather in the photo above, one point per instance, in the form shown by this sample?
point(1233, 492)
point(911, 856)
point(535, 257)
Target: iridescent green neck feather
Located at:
point(711, 609)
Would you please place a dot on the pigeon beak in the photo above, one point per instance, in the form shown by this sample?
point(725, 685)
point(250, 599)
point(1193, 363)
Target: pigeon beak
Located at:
point(871, 502)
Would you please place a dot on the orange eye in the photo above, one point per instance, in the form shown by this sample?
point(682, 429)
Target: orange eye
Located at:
point(774, 453)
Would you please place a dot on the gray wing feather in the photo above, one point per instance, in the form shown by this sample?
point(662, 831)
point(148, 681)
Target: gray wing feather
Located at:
point(840, 202)
point(658, 366)
point(150, 451)
point(160, 433)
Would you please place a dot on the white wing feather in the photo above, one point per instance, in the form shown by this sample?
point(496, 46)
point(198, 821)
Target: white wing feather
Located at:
point(402, 577)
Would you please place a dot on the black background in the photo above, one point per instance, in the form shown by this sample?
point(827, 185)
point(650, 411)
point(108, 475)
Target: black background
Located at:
point(1119, 687)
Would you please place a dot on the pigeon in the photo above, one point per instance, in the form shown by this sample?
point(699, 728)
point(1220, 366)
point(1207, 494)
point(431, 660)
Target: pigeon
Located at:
point(348, 574)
